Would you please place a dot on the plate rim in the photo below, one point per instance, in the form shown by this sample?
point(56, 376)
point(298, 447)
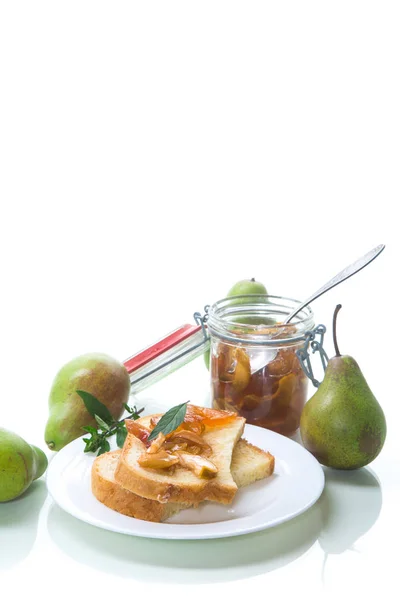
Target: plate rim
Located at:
point(183, 531)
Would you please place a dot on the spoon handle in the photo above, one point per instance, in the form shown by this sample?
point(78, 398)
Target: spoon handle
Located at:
point(345, 274)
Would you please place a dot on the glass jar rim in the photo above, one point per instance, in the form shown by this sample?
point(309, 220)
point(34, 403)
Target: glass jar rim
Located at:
point(221, 326)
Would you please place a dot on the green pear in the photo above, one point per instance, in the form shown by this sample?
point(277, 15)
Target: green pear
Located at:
point(41, 461)
point(343, 425)
point(95, 373)
point(245, 287)
point(20, 465)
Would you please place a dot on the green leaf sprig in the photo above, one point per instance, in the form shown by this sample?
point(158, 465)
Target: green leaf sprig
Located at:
point(169, 421)
point(107, 425)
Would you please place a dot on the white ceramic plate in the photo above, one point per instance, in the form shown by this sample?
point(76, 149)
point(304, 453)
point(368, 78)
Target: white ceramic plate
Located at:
point(296, 485)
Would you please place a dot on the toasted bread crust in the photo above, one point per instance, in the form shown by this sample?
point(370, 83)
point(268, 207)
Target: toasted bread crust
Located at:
point(272, 465)
point(114, 496)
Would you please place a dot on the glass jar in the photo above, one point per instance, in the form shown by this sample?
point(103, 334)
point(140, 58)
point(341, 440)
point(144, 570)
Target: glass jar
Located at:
point(255, 371)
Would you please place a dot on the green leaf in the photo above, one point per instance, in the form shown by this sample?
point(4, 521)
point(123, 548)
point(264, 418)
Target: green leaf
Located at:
point(90, 429)
point(91, 444)
point(102, 424)
point(121, 436)
point(169, 421)
point(95, 407)
point(105, 447)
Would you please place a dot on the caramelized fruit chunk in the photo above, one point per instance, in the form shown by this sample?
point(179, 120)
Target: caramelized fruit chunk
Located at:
point(195, 443)
point(189, 437)
point(233, 366)
point(284, 362)
point(197, 450)
point(160, 460)
point(195, 426)
point(285, 390)
point(137, 430)
point(251, 402)
point(173, 446)
point(198, 464)
point(154, 421)
point(156, 444)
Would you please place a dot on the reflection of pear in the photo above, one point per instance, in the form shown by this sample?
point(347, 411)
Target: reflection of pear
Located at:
point(350, 505)
point(95, 373)
point(18, 524)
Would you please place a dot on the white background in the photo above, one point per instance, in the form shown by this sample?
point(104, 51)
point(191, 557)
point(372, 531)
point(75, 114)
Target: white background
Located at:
point(152, 154)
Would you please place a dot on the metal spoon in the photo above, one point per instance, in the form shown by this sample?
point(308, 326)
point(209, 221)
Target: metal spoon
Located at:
point(345, 274)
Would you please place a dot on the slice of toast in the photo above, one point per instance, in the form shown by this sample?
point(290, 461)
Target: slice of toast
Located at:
point(249, 464)
point(113, 495)
point(182, 485)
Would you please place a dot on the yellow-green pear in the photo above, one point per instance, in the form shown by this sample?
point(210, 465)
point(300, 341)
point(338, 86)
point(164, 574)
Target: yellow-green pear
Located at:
point(245, 287)
point(20, 465)
point(100, 375)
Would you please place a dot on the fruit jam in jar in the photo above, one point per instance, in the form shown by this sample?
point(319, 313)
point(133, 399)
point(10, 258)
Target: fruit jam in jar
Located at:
point(255, 371)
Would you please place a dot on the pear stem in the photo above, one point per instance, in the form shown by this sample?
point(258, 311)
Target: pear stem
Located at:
point(338, 307)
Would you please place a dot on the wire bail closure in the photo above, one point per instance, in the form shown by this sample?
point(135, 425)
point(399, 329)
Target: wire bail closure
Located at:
point(316, 346)
point(202, 320)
